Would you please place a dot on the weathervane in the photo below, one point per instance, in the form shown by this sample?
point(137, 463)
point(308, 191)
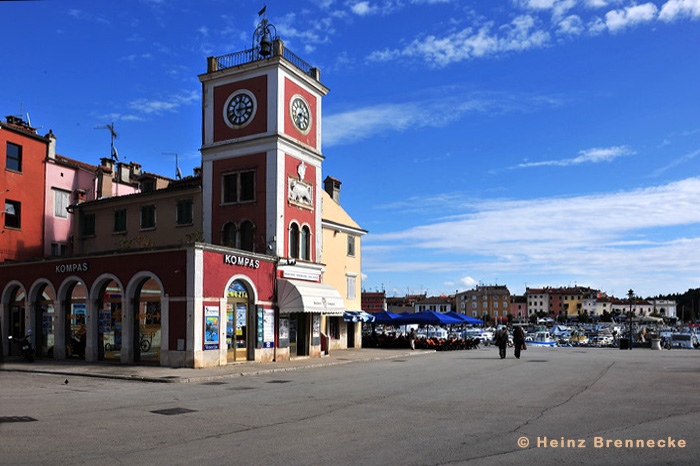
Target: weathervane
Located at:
point(113, 134)
point(263, 35)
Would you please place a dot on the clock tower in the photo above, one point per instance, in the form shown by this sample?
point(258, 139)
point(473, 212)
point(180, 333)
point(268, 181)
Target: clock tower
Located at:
point(261, 152)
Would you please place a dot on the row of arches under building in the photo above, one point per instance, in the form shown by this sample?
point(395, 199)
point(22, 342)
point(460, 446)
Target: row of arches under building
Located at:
point(76, 322)
point(111, 322)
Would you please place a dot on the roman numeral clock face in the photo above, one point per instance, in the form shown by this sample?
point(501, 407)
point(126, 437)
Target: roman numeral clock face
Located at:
point(239, 109)
point(300, 114)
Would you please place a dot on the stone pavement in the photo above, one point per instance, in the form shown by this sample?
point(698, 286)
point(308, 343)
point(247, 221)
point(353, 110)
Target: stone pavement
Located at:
point(158, 374)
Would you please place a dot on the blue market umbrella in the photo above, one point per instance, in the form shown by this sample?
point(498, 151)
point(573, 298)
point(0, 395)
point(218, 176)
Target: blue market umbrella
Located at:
point(385, 317)
point(428, 318)
point(465, 318)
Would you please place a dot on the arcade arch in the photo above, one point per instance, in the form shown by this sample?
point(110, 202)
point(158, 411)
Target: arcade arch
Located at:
point(13, 319)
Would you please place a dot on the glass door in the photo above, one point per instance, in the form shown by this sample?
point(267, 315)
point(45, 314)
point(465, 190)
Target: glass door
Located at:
point(241, 332)
point(236, 331)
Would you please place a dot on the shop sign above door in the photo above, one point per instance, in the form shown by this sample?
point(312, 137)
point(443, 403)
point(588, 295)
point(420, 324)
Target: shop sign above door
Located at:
point(232, 259)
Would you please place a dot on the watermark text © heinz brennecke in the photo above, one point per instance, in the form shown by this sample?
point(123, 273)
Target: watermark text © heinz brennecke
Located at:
point(601, 442)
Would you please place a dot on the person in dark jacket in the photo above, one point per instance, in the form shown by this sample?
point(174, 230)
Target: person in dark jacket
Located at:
point(501, 341)
point(518, 340)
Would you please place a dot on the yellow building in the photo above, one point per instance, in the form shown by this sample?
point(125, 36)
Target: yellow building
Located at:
point(342, 256)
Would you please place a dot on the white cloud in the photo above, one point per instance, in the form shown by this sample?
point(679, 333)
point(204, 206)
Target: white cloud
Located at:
point(595, 155)
point(119, 117)
point(362, 8)
point(85, 16)
point(675, 163)
point(674, 9)
point(557, 7)
point(158, 107)
point(520, 34)
point(571, 25)
point(468, 281)
point(590, 237)
point(616, 20)
point(313, 33)
point(365, 122)
point(133, 57)
point(536, 4)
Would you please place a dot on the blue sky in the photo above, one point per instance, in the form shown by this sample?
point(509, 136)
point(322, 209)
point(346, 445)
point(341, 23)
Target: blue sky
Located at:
point(518, 142)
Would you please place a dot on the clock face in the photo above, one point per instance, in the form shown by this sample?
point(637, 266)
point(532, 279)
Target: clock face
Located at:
point(301, 116)
point(239, 109)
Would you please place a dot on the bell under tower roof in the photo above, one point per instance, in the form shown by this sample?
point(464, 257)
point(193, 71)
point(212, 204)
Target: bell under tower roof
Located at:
point(266, 47)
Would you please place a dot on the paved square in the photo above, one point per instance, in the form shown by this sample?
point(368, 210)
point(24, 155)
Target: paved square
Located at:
point(553, 406)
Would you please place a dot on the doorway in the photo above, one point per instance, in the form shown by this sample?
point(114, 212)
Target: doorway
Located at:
point(351, 334)
point(147, 322)
point(76, 321)
point(238, 316)
point(299, 329)
point(17, 319)
point(109, 333)
point(45, 322)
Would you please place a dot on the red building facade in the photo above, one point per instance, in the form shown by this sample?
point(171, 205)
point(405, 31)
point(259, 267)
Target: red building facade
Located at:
point(22, 178)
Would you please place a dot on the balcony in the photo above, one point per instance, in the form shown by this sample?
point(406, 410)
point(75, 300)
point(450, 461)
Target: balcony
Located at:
point(235, 59)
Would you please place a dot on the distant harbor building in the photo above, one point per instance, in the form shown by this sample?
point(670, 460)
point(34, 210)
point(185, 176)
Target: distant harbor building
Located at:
point(485, 300)
point(518, 307)
point(441, 304)
point(374, 301)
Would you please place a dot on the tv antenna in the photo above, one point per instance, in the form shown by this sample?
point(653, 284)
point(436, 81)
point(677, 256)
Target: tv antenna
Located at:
point(113, 151)
point(178, 173)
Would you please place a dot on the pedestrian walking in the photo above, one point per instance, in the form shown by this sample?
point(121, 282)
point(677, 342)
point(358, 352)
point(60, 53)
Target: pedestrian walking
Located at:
point(518, 340)
point(502, 341)
point(412, 338)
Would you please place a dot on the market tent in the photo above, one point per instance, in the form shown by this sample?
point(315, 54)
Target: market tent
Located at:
point(429, 318)
point(357, 316)
point(385, 317)
point(465, 318)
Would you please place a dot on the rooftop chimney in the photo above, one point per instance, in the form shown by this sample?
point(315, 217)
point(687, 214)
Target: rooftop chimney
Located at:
point(332, 187)
point(51, 149)
point(104, 179)
point(19, 123)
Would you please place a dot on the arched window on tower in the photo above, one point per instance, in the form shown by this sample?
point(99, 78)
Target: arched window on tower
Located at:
point(306, 243)
point(228, 236)
point(294, 241)
point(246, 236)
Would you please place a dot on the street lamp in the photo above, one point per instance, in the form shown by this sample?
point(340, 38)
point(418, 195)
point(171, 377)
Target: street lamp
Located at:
point(630, 295)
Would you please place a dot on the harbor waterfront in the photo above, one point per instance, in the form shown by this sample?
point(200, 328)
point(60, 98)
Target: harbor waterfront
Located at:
point(366, 406)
